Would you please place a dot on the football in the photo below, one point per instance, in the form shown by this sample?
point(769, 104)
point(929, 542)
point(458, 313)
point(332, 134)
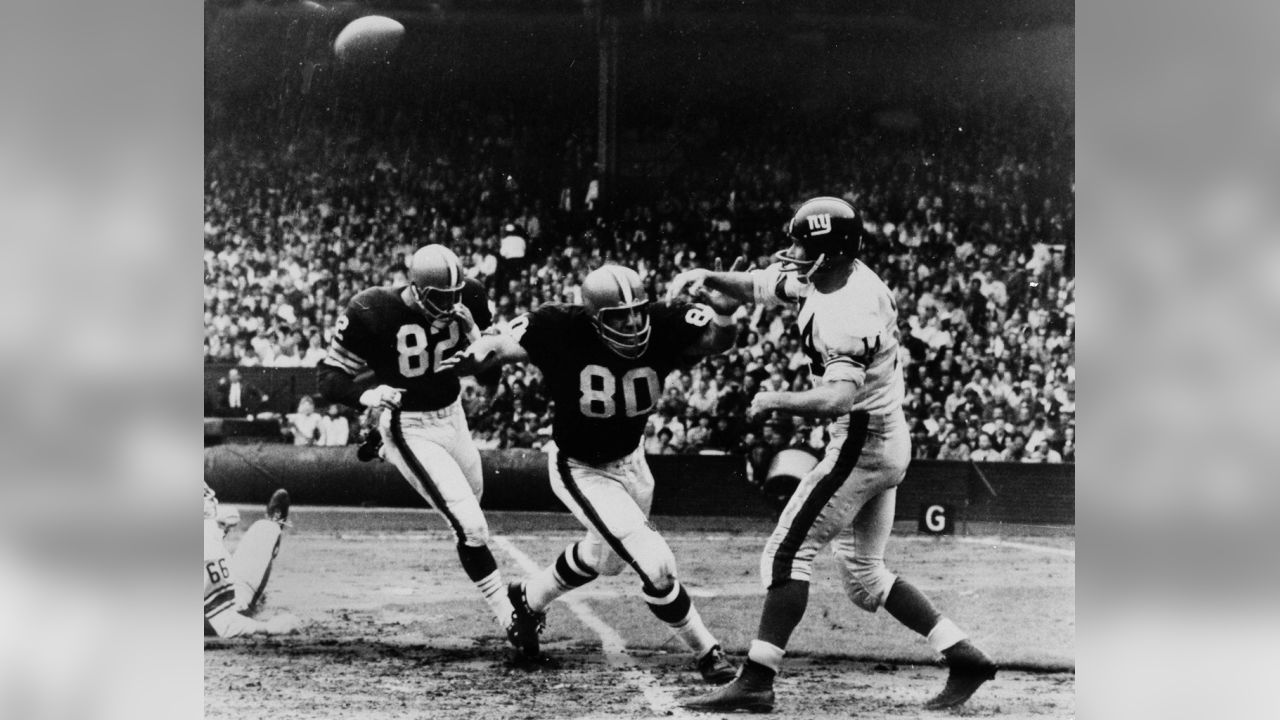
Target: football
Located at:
point(369, 39)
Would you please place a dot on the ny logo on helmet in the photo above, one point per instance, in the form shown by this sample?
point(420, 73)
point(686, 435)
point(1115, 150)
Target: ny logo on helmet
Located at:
point(819, 224)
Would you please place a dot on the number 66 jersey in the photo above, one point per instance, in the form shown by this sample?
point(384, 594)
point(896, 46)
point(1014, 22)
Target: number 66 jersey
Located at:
point(601, 398)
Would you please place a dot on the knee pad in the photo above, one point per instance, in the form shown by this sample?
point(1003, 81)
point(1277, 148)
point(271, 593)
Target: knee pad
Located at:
point(654, 559)
point(475, 534)
point(597, 556)
point(867, 582)
point(472, 527)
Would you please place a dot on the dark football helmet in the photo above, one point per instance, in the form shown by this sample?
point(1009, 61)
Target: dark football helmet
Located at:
point(615, 298)
point(435, 274)
point(825, 230)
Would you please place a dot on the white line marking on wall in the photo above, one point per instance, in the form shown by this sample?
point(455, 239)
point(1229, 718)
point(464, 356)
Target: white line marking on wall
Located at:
point(660, 700)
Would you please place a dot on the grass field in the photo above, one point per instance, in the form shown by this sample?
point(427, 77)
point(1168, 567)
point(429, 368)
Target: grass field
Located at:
point(392, 628)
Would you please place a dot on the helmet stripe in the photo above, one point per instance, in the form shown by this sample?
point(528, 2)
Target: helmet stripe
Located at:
point(453, 270)
point(623, 284)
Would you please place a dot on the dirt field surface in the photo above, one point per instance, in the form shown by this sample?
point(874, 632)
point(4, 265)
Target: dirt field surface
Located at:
point(393, 629)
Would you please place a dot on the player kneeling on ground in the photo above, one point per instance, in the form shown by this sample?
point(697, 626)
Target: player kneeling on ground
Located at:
point(234, 585)
point(603, 362)
point(849, 328)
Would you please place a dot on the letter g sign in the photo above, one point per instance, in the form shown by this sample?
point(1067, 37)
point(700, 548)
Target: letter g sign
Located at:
point(935, 519)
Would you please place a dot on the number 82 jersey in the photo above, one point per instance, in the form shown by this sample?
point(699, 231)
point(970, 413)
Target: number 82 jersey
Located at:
point(601, 398)
point(403, 348)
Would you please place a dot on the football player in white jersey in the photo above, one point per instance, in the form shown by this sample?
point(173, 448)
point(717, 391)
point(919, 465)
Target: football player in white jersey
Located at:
point(234, 585)
point(848, 322)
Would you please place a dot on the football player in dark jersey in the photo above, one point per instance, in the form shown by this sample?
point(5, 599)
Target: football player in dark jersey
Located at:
point(604, 362)
point(403, 335)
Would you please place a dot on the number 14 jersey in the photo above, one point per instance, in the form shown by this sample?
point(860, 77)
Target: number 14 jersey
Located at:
point(602, 399)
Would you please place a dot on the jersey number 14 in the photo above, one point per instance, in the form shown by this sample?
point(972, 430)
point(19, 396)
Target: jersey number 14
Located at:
point(599, 390)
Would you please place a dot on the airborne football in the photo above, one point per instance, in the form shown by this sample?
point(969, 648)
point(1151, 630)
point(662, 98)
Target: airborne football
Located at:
point(367, 40)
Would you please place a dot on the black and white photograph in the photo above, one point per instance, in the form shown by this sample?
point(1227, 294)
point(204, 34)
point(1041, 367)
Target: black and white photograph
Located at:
point(639, 359)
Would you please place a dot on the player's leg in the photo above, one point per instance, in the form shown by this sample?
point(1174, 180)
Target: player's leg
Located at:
point(455, 435)
point(256, 552)
point(870, 585)
point(433, 472)
point(664, 593)
point(821, 506)
point(578, 564)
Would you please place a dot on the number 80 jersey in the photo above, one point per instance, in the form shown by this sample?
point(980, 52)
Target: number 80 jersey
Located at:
point(402, 347)
point(601, 398)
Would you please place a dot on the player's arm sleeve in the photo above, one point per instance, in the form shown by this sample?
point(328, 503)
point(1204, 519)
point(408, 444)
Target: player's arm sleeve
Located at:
point(696, 329)
point(340, 367)
point(538, 333)
point(773, 287)
point(473, 296)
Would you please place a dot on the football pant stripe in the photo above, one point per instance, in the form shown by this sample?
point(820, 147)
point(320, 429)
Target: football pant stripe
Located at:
point(566, 476)
point(223, 600)
point(420, 472)
point(819, 496)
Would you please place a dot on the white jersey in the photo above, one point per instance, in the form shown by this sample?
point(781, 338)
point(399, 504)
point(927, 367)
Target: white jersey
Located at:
point(850, 335)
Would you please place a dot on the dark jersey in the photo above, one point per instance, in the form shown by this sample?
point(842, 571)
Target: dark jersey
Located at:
point(602, 399)
point(404, 349)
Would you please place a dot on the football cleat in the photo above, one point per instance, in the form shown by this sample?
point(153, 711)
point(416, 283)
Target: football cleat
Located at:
point(278, 507)
point(732, 697)
point(970, 668)
point(526, 624)
point(436, 279)
point(615, 298)
point(716, 668)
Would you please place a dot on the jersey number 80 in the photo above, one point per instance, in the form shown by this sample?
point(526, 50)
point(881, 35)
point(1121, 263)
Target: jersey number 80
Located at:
point(599, 387)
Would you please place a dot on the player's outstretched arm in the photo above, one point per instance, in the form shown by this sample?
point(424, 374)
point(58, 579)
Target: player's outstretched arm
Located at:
point(488, 352)
point(830, 399)
point(699, 283)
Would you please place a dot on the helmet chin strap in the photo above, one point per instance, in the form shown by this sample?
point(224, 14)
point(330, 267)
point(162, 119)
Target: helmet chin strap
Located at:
point(807, 276)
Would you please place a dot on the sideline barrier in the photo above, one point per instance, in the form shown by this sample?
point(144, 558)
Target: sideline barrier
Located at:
point(685, 484)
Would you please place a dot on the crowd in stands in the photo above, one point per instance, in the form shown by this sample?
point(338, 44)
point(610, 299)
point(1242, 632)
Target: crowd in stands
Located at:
point(972, 225)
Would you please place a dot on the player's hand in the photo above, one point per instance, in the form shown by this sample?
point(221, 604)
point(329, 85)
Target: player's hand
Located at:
point(282, 624)
point(382, 396)
point(762, 403)
point(689, 282)
point(720, 302)
point(465, 362)
point(464, 314)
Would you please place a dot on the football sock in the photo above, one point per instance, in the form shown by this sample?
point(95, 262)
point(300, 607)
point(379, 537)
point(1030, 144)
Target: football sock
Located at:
point(676, 609)
point(945, 635)
point(551, 582)
point(784, 607)
point(911, 608)
point(763, 661)
point(483, 570)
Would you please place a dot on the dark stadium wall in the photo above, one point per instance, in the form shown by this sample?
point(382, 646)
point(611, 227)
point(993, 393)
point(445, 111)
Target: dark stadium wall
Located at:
point(1021, 493)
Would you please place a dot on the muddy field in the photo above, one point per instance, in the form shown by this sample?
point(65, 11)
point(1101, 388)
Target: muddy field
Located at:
point(393, 629)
